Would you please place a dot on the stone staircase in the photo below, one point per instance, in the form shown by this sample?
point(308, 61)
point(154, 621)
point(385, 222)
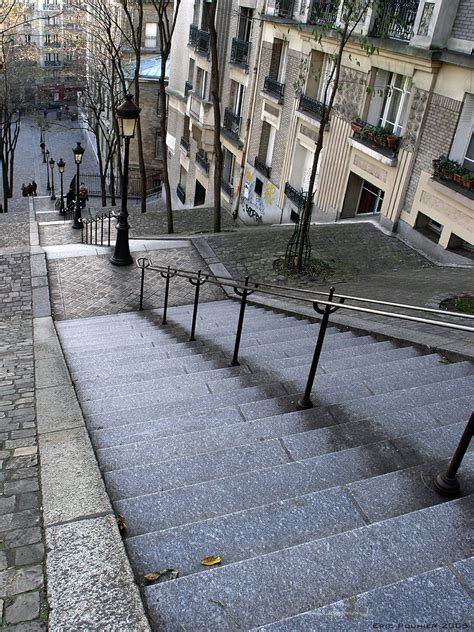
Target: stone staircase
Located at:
point(324, 518)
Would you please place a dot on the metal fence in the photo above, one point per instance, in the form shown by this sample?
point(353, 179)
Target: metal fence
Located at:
point(93, 184)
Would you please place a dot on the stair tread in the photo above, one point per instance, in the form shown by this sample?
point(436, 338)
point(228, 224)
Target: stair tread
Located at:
point(236, 597)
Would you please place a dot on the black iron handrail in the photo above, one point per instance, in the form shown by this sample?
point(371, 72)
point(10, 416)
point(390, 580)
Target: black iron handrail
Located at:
point(181, 193)
point(232, 123)
point(285, 8)
point(323, 12)
point(261, 166)
point(297, 197)
point(202, 161)
point(310, 105)
point(185, 144)
point(92, 229)
point(395, 19)
point(188, 86)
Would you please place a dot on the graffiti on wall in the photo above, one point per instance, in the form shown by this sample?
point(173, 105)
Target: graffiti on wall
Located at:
point(251, 202)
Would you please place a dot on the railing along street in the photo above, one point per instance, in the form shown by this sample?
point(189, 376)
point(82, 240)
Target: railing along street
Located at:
point(96, 230)
point(325, 305)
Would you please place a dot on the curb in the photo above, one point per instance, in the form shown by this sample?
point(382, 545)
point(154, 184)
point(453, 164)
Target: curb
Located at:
point(90, 584)
point(449, 347)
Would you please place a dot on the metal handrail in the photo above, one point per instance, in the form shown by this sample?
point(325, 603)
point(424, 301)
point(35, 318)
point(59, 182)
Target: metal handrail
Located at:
point(229, 281)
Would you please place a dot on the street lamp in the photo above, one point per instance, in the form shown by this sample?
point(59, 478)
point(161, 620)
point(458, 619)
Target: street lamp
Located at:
point(127, 117)
point(53, 194)
point(78, 152)
point(43, 145)
point(61, 167)
point(46, 155)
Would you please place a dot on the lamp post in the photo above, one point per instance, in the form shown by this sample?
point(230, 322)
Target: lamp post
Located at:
point(127, 117)
point(46, 155)
point(43, 145)
point(61, 167)
point(53, 194)
point(78, 152)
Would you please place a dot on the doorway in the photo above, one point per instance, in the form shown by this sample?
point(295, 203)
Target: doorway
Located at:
point(199, 194)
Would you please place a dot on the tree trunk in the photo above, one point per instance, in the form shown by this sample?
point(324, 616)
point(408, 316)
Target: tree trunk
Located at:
point(217, 116)
point(103, 185)
point(141, 167)
point(163, 132)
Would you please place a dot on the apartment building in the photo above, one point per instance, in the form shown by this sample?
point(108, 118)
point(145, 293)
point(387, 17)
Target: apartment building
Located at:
point(51, 30)
point(417, 88)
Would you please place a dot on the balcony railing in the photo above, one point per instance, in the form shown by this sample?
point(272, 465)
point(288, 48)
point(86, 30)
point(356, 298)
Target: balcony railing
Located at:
point(50, 7)
point(181, 193)
point(52, 45)
point(285, 9)
point(323, 12)
point(199, 40)
point(375, 137)
point(311, 106)
point(297, 197)
point(188, 86)
point(202, 161)
point(240, 53)
point(227, 187)
point(232, 123)
point(262, 167)
point(395, 19)
point(49, 62)
point(184, 144)
point(273, 87)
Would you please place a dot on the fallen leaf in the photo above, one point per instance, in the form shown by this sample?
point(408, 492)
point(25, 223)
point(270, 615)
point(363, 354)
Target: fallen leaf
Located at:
point(211, 560)
point(122, 525)
point(151, 577)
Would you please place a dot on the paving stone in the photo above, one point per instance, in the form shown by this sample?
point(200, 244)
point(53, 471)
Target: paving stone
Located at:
point(22, 537)
point(19, 520)
point(466, 570)
point(24, 608)
point(31, 554)
point(14, 581)
point(7, 504)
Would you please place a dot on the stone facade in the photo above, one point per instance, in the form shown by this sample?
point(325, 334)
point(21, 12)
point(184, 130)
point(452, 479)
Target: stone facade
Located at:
point(464, 23)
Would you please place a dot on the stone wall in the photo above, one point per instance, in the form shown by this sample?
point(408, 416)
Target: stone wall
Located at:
point(436, 138)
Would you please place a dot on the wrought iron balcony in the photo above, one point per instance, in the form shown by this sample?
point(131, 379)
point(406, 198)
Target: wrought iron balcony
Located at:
point(188, 86)
point(49, 62)
point(395, 19)
point(227, 187)
point(285, 8)
point(199, 40)
point(181, 193)
point(311, 106)
point(240, 53)
point(184, 144)
point(262, 167)
point(202, 161)
point(323, 12)
point(232, 123)
point(273, 87)
point(50, 7)
point(297, 197)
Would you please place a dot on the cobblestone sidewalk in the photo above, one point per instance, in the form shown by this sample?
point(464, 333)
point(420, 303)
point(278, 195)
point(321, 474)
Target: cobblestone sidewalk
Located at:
point(22, 599)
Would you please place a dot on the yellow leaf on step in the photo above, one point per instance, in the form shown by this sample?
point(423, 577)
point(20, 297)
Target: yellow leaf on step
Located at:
point(151, 577)
point(211, 560)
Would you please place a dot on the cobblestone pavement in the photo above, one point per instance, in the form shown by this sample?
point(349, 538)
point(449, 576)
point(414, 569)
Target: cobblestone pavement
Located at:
point(22, 600)
point(58, 234)
point(91, 286)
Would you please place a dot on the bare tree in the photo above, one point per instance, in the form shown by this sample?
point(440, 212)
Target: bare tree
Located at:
point(166, 27)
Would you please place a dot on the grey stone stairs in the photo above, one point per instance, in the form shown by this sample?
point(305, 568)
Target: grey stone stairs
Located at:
point(324, 518)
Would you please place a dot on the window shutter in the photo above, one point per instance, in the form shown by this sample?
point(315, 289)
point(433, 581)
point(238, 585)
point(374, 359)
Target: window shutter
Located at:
point(464, 130)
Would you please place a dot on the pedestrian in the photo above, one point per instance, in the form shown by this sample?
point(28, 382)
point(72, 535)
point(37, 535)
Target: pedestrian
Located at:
point(70, 197)
point(83, 195)
point(34, 187)
point(45, 113)
point(24, 190)
point(29, 189)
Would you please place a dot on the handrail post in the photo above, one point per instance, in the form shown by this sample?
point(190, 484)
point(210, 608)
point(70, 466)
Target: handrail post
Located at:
point(447, 484)
point(82, 234)
point(306, 402)
point(199, 281)
point(108, 236)
point(143, 262)
point(243, 303)
point(167, 291)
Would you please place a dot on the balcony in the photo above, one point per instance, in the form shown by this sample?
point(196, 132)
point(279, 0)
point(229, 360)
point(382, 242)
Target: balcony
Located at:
point(185, 144)
point(54, 63)
point(50, 6)
point(201, 111)
point(188, 86)
point(323, 12)
point(262, 167)
point(284, 9)
point(52, 45)
point(181, 193)
point(297, 197)
point(375, 137)
point(232, 123)
point(199, 40)
point(395, 20)
point(240, 53)
point(227, 188)
point(453, 175)
point(202, 161)
point(311, 106)
point(273, 87)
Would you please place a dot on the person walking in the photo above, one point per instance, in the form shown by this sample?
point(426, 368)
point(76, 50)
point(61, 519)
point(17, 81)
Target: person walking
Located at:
point(34, 187)
point(83, 195)
point(70, 197)
point(24, 190)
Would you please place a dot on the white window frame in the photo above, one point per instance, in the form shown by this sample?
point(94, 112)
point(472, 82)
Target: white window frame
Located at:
point(151, 38)
point(464, 133)
point(405, 91)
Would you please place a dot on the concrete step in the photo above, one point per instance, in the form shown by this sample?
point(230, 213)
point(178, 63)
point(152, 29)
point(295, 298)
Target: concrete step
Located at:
point(268, 528)
point(422, 600)
point(148, 510)
point(237, 597)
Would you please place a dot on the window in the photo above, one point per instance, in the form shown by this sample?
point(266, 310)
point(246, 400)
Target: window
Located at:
point(245, 24)
point(267, 143)
point(462, 148)
point(277, 62)
point(258, 187)
point(389, 104)
point(201, 83)
point(228, 167)
point(158, 146)
point(151, 31)
point(370, 200)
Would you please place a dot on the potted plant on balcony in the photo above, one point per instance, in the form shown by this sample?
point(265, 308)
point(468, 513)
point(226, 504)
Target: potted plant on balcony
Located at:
point(391, 141)
point(357, 126)
point(467, 180)
point(444, 168)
